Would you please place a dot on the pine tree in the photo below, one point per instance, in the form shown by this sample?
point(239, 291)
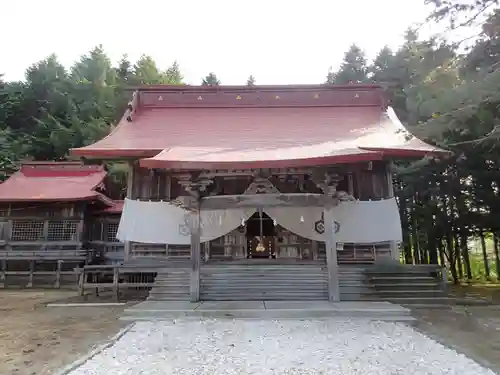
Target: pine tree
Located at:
point(210, 80)
point(173, 74)
point(146, 72)
point(251, 80)
point(124, 70)
point(353, 68)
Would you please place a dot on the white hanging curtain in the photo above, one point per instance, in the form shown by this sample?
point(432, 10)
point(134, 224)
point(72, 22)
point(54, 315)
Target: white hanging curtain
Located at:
point(217, 223)
point(165, 223)
point(299, 220)
point(152, 222)
point(354, 222)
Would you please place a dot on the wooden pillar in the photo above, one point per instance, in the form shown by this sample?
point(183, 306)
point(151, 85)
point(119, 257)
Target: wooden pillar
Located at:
point(81, 282)
point(3, 273)
point(314, 249)
point(45, 233)
point(130, 192)
point(168, 187)
point(206, 247)
point(194, 287)
point(32, 271)
point(350, 184)
point(390, 190)
point(58, 274)
point(245, 243)
point(116, 278)
point(331, 256)
point(168, 196)
point(80, 227)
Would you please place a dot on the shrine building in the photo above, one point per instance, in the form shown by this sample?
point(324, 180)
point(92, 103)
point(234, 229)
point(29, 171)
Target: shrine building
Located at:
point(264, 192)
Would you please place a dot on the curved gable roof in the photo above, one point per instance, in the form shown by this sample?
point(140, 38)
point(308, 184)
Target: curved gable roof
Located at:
point(265, 126)
point(54, 182)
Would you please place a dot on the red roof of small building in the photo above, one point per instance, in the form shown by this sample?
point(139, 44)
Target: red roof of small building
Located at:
point(188, 127)
point(54, 182)
point(115, 208)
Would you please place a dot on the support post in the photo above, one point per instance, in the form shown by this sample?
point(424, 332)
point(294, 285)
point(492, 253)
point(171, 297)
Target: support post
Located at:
point(81, 282)
point(314, 248)
point(206, 246)
point(32, 271)
point(58, 274)
point(350, 184)
point(3, 274)
point(116, 278)
point(130, 190)
point(331, 257)
point(194, 287)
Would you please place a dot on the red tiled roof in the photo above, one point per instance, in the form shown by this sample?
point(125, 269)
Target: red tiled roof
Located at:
point(115, 208)
point(201, 128)
point(53, 182)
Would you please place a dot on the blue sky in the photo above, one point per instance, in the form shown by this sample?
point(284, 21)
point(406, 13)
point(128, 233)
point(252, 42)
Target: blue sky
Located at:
point(277, 41)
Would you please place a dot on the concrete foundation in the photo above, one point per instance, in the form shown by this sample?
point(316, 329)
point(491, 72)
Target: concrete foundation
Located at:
point(165, 310)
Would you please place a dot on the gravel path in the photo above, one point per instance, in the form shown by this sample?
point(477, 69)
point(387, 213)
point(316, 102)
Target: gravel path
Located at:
point(277, 347)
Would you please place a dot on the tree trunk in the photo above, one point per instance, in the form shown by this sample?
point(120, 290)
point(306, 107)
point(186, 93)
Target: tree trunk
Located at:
point(432, 245)
point(497, 256)
point(452, 256)
point(465, 253)
point(414, 237)
point(440, 247)
point(458, 256)
point(447, 228)
point(415, 245)
point(403, 212)
point(485, 255)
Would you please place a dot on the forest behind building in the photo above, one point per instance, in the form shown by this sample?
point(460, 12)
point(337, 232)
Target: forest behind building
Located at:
point(445, 91)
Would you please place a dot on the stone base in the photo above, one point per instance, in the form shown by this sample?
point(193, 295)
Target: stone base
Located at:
point(164, 310)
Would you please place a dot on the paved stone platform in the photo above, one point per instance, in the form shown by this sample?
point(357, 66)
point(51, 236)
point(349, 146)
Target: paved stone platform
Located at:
point(163, 310)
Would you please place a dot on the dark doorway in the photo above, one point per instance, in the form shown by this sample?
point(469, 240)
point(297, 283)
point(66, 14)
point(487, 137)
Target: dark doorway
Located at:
point(260, 232)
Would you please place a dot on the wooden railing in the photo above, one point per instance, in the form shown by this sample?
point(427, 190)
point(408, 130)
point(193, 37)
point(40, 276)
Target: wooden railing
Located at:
point(54, 266)
point(115, 278)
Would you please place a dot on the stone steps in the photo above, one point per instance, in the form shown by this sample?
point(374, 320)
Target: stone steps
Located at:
point(171, 285)
point(404, 287)
point(408, 285)
point(402, 279)
point(263, 282)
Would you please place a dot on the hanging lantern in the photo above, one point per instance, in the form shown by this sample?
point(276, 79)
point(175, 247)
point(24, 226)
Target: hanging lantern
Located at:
point(301, 218)
point(242, 221)
point(274, 222)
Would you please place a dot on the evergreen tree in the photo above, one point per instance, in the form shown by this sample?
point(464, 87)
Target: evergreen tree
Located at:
point(146, 72)
point(379, 70)
point(124, 71)
point(251, 80)
point(173, 75)
point(210, 80)
point(352, 70)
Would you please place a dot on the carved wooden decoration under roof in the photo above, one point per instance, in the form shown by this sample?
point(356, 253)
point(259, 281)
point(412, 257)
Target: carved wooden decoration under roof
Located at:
point(185, 201)
point(328, 182)
point(261, 185)
point(194, 184)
